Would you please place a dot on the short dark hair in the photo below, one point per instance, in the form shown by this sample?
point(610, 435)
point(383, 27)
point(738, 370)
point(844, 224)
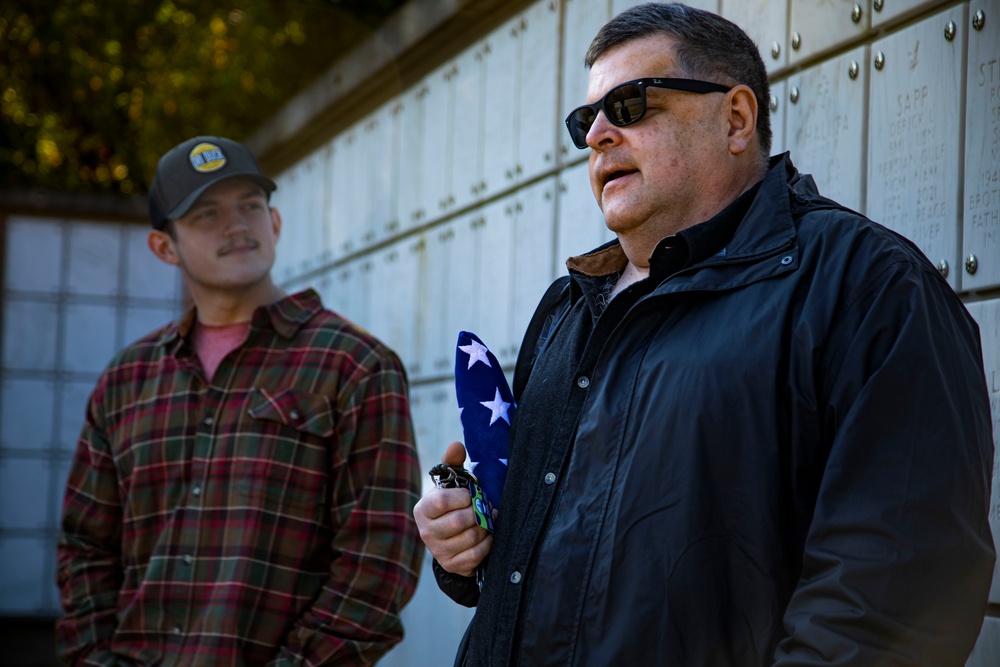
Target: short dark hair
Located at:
point(708, 47)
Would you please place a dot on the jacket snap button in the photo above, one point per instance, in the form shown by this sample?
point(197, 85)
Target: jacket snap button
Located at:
point(583, 381)
point(786, 260)
point(515, 578)
point(550, 478)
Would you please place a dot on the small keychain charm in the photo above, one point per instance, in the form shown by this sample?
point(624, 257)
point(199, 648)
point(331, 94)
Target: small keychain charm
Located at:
point(447, 476)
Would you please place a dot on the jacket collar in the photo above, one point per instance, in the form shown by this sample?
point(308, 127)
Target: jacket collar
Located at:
point(766, 230)
point(285, 316)
point(768, 226)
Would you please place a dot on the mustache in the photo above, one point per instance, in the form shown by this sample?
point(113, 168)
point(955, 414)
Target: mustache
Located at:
point(245, 243)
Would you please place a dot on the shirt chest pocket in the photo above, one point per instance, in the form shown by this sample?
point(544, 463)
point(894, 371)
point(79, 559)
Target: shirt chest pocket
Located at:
point(290, 463)
point(309, 414)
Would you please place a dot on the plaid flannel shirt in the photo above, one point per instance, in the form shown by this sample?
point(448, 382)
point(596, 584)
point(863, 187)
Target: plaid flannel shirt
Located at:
point(264, 517)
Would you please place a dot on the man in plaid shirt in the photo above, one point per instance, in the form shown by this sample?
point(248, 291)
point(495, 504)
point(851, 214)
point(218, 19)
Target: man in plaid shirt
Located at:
point(243, 487)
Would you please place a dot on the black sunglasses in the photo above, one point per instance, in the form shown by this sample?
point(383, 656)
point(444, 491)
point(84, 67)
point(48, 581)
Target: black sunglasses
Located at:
point(626, 104)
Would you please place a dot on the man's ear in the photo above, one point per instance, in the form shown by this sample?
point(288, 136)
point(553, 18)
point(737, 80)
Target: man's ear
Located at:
point(276, 223)
point(163, 247)
point(742, 116)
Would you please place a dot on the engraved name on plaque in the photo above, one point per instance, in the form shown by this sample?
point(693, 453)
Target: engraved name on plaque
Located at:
point(825, 125)
point(914, 135)
point(981, 205)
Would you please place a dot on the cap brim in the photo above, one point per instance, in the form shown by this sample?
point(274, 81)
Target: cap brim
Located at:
point(185, 204)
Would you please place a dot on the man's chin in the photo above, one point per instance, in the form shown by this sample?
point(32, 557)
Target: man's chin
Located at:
point(618, 218)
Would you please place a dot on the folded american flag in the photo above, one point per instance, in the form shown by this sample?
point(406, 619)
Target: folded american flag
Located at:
point(486, 406)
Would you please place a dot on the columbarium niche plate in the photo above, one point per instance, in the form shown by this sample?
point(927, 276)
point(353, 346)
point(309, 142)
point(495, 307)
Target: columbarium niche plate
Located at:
point(438, 103)
point(501, 107)
point(914, 135)
point(820, 25)
point(779, 117)
point(825, 125)
point(533, 255)
point(981, 205)
point(146, 277)
point(33, 256)
point(885, 11)
point(538, 78)
point(987, 314)
point(582, 20)
point(580, 223)
point(766, 22)
point(24, 493)
point(24, 560)
point(26, 411)
point(467, 128)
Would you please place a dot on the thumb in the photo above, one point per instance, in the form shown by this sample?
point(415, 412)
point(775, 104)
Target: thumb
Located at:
point(454, 454)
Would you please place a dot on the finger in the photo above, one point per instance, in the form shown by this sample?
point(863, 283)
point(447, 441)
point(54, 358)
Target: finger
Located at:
point(439, 502)
point(454, 454)
point(466, 561)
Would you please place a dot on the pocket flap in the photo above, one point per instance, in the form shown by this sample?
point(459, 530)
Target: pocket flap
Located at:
point(300, 410)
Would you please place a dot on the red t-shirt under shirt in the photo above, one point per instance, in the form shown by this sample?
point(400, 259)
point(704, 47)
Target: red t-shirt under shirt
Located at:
point(213, 343)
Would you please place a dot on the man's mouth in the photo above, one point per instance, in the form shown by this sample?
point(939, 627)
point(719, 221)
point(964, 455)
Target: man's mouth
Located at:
point(617, 174)
point(241, 246)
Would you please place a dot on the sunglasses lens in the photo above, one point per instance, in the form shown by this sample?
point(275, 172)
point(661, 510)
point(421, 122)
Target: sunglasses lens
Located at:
point(580, 122)
point(625, 104)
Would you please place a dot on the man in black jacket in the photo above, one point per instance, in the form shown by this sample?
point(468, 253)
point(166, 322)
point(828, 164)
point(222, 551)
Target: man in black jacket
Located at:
point(753, 430)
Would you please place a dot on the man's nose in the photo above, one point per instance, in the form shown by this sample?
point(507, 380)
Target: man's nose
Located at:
point(235, 222)
point(603, 132)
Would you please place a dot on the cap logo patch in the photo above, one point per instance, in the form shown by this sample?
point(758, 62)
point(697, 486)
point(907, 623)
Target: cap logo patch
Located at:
point(206, 158)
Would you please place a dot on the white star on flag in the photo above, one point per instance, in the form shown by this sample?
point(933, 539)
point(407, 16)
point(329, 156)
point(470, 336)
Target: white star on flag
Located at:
point(477, 352)
point(499, 408)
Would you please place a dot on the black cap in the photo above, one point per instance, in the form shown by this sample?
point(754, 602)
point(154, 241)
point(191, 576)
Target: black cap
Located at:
point(192, 167)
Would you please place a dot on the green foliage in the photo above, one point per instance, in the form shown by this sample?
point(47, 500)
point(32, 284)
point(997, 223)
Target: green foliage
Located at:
point(92, 93)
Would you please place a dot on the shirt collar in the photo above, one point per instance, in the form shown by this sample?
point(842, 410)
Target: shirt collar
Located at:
point(286, 316)
point(700, 242)
point(595, 272)
point(687, 247)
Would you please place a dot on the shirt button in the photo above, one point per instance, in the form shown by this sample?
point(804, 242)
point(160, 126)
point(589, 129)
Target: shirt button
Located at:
point(187, 559)
point(177, 629)
point(515, 577)
point(583, 381)
point(196, 491)
point(209, 420)
point(550, 478)
point(295, 415)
